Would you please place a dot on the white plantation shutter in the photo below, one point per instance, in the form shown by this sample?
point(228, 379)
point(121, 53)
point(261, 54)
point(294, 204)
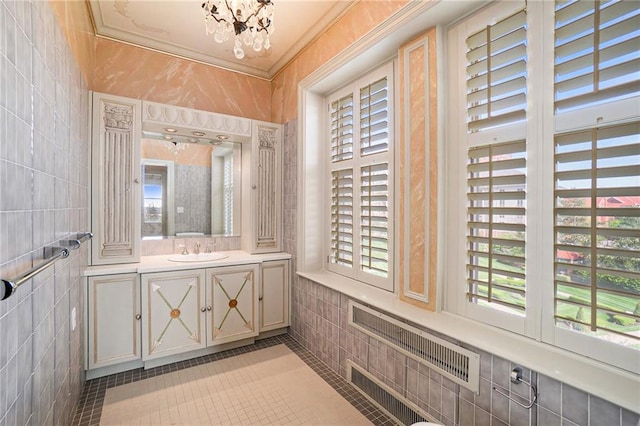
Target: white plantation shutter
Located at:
point(547, 162)
point(374, 178)
point(228, 195)
point(496, 223)
point(597, 55)
point(374, 221)
point(597, 233)
point(597, 171)
point(496, 98)
point(361, 179)
point(374, 118)
point(496, 73)
point(342, 217)
point(342, 129)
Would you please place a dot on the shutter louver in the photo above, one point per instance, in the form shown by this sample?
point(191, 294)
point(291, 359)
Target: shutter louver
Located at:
point(342, 129)
point(374, 118)
point(597, 231)
point(496, 74)
point(596, 52)
point(496, 181)
point(374, 218)
point(342, 217)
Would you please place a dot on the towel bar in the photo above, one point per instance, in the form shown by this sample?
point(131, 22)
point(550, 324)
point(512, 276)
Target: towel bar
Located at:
point(74, 242)
point(10, 286)
point(50, 255)
point(516, 378)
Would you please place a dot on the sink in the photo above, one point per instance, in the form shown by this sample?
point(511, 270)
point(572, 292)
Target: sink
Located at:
point(200, 257)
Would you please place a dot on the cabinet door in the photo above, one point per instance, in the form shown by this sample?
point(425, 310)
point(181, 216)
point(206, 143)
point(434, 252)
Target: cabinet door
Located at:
point(233, 295)
point(173, 305)
point(265, 233)
point(115, 176)
point(274, 295)
point(114, 320)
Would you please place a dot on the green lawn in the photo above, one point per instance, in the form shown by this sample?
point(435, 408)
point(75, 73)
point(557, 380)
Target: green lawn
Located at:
point(608, 301)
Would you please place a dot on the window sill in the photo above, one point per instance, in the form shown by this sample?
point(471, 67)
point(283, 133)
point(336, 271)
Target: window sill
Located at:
point(607, 382)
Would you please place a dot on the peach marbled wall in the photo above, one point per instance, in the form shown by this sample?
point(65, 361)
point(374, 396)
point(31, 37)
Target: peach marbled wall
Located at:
point(73, 18)
point(418, 173)
point(124, 70)
point(134, 72)
point(354, 24)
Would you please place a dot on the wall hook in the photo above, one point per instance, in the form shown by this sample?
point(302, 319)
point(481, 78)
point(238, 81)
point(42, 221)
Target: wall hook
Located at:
point(516, 378)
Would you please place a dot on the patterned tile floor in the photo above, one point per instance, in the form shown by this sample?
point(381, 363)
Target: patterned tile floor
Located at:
point(89, 411)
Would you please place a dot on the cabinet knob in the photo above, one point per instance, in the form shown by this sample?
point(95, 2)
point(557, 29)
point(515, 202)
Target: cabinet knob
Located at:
point(260, 298)
point(136, 180)
point(254, 186)
point(138, 316)
point(203, 309)
point(208, 308)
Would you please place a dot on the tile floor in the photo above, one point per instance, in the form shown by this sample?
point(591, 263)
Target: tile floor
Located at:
point(100, 392)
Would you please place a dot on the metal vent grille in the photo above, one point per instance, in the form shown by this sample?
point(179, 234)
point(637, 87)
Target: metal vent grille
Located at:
point(452, 361)
point(385, 398)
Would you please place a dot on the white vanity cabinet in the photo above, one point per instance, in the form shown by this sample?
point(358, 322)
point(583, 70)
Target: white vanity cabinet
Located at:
point(115, 179)
point(173, 305)
point(198, 308)
point(262, 203)
point(274, 295)
point(233, 296)
point(114, 319)
point(157, 312)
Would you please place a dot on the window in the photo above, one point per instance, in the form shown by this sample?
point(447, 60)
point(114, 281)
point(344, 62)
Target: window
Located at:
point(360, 163)
point(496, 236)
point(597, 233)
point(154, 207)
point(493, 143)
point(597, 177)
point(153, 199)
point(551, 240)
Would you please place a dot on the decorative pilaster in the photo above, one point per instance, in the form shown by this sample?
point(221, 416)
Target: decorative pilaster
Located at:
point(115, 203)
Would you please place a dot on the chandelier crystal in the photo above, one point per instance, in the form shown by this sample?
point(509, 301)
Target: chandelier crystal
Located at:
point(250, 21)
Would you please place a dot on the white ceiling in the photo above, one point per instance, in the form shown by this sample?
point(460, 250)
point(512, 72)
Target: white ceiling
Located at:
point(177, 27)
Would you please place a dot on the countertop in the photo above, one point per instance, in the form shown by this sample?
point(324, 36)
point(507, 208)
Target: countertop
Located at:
point(161, 263)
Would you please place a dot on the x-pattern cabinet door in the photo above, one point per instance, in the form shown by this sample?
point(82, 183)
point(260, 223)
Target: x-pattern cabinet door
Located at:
point(233, 293)
point(173, 304)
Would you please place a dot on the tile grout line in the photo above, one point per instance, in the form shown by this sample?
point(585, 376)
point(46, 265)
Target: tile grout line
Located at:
point(89, 409)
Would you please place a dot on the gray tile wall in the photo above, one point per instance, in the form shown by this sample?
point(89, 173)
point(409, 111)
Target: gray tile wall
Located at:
point(44, 153)
point(172, 245)
point(289, 189)
point(193, 192)
point(319, 322)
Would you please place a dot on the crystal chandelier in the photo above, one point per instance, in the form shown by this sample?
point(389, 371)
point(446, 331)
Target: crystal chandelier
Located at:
point(251, 21)
point(175, 147)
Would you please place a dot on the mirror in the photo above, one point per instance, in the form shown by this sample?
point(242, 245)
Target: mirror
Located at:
point(190, 189)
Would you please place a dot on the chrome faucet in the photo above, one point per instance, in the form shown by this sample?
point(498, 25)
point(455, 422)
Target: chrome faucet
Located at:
point(196, 248)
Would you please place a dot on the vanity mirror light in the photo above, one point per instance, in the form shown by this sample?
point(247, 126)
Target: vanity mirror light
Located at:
point(190, 188)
